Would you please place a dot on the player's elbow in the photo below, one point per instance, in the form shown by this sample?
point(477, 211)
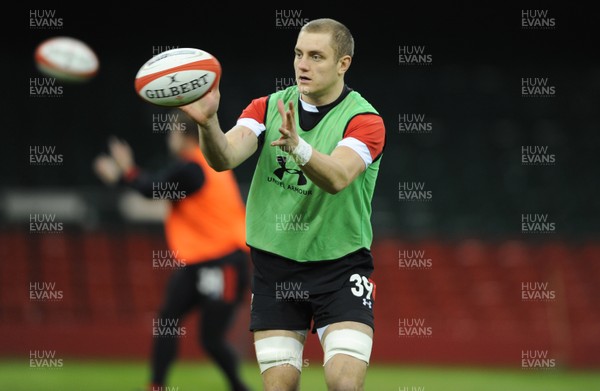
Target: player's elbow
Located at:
point(339, 177)
point(335, 186)
point(220, 165)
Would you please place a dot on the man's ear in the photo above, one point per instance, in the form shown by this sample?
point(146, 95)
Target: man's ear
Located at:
point(344, 64)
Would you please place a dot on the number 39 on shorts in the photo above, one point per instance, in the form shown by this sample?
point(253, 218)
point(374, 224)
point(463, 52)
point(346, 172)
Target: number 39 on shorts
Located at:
point(362, 286)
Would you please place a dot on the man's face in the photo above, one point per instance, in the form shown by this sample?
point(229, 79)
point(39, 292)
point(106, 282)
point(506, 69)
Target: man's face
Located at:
point(315, 64)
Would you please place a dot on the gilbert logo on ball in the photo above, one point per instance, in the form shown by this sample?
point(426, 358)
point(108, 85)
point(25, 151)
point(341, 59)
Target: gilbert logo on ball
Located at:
point(66, 59)
point(177, 77)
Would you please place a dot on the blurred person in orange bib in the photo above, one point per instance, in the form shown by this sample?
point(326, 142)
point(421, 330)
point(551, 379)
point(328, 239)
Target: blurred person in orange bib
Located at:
point(205, 228)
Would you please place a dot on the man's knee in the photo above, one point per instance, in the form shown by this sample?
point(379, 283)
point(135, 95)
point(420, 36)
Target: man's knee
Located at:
point(345, 373)
point(346, 356)
point(281, 378)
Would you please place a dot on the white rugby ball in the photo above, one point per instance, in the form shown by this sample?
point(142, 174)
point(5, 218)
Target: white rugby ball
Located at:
point(177, 77)
point(67, 59)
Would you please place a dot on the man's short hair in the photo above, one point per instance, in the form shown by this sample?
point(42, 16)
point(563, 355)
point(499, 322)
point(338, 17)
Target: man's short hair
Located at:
point(341, 38)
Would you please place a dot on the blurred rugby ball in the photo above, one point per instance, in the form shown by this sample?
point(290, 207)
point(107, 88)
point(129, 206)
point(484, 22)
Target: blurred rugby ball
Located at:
point(177, 77)
point(67, 59)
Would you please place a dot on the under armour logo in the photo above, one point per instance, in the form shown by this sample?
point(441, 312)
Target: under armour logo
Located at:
point(172, 77)
point(283, 170)
point(367, 302)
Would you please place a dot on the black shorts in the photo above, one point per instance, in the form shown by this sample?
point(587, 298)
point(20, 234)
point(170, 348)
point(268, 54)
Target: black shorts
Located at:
point(293, 301)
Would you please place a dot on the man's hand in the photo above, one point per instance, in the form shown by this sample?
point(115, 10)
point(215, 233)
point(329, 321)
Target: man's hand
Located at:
point(121, 153)
point(204, 109)
point(289, 136)
point(107, 169)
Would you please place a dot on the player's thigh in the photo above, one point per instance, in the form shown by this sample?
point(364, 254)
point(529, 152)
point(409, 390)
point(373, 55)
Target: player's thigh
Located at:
point(217, 317)
point(299, 335)
point(350, 325)
point(180, 294)
point(347, 339)
point(345, 324)
point(279, 347)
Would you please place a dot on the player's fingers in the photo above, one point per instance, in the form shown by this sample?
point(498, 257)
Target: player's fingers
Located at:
point(216, 85)
point(116, 145)
point(282, 113)
point(284, 132)
point(280, 107)
point(121, 143)
point(99, 164)
point(278, 142)
point(290, 108)
point(191, 111)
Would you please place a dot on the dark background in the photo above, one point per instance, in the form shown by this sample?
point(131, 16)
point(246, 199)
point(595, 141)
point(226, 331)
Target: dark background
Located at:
point(470, 93)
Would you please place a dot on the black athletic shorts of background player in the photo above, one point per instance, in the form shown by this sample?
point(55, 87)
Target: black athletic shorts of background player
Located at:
point(213, 288)
point(290, 295)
